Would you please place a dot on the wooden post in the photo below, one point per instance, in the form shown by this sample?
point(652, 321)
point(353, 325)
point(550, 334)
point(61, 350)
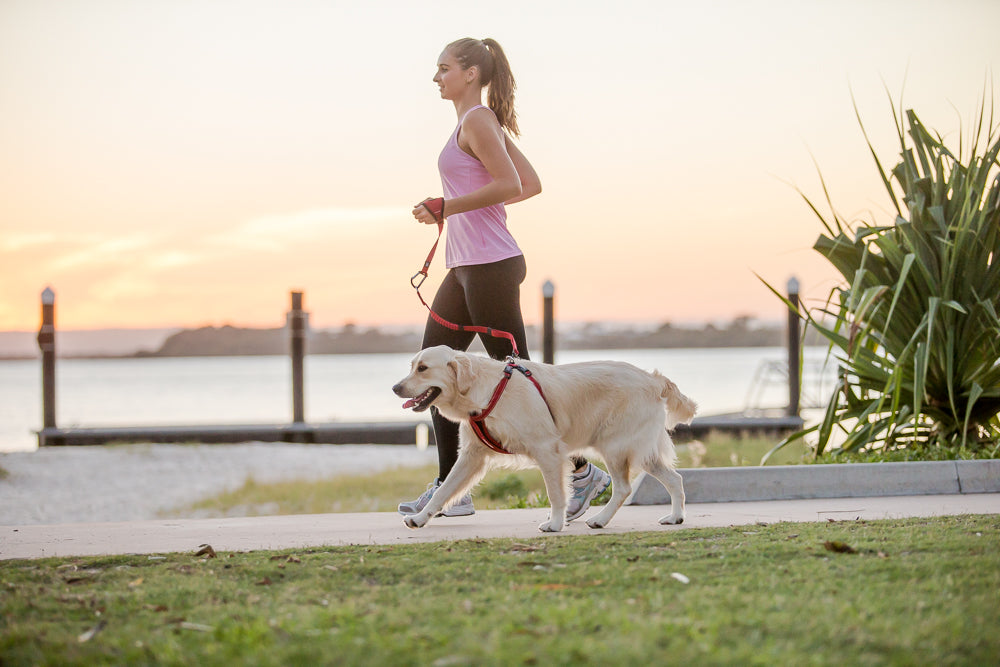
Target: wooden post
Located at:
point(297, 324)
point(548, 324)
point(794, 350)
point(47, 344)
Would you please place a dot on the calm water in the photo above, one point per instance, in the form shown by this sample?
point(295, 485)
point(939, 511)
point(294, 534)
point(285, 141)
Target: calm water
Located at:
point(229, 390)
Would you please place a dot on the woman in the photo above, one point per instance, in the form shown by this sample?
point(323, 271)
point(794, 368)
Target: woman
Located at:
point(481, 172)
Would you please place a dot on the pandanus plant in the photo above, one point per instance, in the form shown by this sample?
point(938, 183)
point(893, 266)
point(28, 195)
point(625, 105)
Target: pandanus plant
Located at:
point(914, 328)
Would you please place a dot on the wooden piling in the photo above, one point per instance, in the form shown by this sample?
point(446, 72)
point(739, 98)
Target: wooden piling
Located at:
point(297, 328)
point(794, 350)
point(548, 323)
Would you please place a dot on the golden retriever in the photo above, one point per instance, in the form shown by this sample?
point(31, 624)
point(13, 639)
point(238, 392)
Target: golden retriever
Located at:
point(613, 409)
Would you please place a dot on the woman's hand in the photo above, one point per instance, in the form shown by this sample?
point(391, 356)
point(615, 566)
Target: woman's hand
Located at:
point(430, 211)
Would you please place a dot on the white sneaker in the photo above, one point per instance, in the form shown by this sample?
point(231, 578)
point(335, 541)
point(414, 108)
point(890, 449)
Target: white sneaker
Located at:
point(463, 507)
point(584, 487)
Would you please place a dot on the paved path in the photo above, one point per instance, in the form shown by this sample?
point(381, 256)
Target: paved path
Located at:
point(284, 532)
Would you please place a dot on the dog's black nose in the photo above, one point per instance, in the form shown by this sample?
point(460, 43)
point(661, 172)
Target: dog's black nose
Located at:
point(396, 388)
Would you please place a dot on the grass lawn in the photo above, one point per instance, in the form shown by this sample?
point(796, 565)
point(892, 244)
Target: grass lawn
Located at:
point(919, 591)
point(501, 489)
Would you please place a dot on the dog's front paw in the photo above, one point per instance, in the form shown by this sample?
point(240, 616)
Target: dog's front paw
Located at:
point(672, 519)
point(550, 526)
point(415, 520)
point(594, 523)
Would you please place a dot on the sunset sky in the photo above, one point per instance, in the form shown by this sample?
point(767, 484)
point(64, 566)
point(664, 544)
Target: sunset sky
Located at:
point(189, 162)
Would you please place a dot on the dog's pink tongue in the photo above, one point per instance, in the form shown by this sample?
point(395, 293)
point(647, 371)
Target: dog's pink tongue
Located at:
point(409, 404)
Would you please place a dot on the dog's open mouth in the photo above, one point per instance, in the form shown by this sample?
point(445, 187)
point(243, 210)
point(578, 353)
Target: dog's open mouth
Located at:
point(423, 401)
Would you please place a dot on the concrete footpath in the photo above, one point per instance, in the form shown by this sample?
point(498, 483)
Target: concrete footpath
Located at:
point(318, 530)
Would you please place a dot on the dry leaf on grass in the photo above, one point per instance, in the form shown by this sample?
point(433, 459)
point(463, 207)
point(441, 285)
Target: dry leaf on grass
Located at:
point(839, 547)
point(90, 634)
point(196, 626)
point(205, 550)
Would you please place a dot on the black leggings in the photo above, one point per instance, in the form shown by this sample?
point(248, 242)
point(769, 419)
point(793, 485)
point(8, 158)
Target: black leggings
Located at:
point(487, 295)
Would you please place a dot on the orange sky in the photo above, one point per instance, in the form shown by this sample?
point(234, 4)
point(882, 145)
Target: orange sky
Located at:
point(181, 164)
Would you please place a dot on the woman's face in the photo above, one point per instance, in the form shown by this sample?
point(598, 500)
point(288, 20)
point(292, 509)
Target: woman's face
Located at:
point(451, 79)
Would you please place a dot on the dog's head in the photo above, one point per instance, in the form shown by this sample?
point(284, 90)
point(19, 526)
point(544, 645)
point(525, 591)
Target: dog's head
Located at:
point(437, 374)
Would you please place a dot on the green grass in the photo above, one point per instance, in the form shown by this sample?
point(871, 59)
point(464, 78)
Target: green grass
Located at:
point(501, 489)
point(720, 450)
point(918, 591)
point(376, 492)
point(908, 453)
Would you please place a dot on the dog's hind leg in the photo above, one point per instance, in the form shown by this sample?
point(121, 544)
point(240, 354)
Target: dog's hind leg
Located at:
point(674, 483)
point(620, 470)
point(469, 469)
point(555, 473)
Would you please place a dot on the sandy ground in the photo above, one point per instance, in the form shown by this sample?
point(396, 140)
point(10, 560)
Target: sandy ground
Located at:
point(138, 482)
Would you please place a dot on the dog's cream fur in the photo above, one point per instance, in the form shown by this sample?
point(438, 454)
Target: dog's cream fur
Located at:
point(613, 409)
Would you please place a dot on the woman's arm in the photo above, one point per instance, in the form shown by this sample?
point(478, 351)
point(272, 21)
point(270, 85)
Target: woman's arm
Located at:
point(531, 185)
point(483, 138)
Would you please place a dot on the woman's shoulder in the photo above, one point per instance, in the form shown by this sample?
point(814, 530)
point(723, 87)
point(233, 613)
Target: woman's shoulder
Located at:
point(481, 120)
point(480, 115)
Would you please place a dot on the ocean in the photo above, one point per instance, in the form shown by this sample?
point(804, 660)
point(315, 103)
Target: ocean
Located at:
point(257, 390)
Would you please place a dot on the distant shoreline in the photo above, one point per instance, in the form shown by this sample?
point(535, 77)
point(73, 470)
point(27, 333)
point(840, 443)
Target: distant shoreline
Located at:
point(229, 341)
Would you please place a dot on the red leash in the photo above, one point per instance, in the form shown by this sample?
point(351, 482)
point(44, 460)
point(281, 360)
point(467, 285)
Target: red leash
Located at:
point(422, 274)
point(477, 421)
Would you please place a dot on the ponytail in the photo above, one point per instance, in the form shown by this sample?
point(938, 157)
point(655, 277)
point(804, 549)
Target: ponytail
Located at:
point(494, 71)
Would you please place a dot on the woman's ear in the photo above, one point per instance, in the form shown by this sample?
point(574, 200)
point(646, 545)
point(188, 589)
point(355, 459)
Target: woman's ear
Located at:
point(461, 366)
point(471, 74)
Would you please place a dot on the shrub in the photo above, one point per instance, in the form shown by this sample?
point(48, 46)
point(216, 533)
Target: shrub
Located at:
point(504, 487)
point(915, 328)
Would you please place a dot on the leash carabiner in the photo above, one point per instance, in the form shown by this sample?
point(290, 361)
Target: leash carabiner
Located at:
point(427, 262)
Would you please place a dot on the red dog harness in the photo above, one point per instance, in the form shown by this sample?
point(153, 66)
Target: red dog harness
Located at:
point(477, 421)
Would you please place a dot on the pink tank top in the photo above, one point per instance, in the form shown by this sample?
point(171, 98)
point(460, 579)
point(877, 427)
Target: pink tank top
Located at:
point(479, 236)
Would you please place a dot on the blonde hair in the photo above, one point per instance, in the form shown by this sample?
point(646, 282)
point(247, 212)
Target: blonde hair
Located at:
point(494, 71)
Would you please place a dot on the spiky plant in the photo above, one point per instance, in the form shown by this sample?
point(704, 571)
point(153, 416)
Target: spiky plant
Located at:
point(915, 327)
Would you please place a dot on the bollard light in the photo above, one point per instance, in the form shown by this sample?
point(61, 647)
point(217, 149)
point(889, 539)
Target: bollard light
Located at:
point(423, 436)
point(47, 344)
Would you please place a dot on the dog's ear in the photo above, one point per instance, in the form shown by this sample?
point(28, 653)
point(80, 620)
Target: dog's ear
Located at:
point(461, 366)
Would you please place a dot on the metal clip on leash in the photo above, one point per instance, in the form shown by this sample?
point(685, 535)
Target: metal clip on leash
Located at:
point(434, 206)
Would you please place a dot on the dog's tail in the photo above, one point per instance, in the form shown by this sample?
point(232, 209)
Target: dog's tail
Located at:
point(680, 408)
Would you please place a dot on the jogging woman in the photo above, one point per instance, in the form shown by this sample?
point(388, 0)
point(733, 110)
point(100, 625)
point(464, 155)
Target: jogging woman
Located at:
point(482, 171)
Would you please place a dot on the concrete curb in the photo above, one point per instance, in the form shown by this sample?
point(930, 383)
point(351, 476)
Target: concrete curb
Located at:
point(839, 480)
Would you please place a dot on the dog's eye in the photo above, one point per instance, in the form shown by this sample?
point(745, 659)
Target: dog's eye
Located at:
point(421, 368)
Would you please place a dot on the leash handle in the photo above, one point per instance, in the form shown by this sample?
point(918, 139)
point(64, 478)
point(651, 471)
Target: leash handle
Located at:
point(435, 206)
